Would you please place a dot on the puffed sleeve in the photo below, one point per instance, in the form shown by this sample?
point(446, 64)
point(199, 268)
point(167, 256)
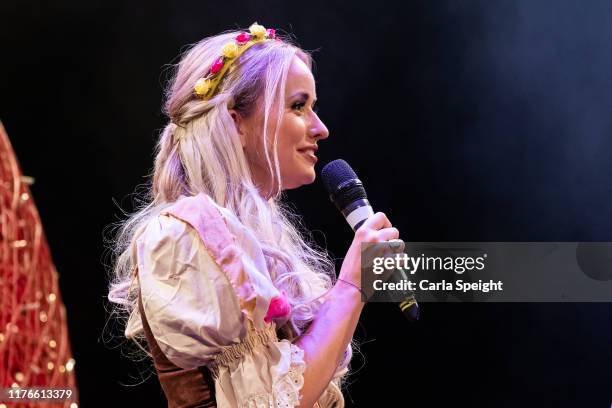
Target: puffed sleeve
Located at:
point(189, 303)
point(198, 318)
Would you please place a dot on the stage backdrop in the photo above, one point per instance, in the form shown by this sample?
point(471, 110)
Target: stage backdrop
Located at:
point(466, 120)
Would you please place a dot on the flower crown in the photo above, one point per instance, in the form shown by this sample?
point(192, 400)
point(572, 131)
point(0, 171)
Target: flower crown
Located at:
point(205, 87)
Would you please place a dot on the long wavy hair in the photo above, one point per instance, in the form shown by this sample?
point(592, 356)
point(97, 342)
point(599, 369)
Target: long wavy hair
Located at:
point(199, 151)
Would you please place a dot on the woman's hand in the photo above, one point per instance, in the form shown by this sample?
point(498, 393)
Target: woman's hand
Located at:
point(375, 229)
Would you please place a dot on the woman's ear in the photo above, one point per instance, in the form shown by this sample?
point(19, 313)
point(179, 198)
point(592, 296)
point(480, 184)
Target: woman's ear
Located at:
point(240, 125)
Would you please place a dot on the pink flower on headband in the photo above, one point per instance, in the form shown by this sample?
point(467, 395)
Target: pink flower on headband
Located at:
point(216, 66)
point(205, 87)
point(243, 38)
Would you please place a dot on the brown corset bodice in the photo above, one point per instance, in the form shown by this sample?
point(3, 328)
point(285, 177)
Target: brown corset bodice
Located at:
point(184, 388)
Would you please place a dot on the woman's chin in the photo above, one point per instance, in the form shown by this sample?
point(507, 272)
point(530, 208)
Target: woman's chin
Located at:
point(307, 178)
point(311, 176)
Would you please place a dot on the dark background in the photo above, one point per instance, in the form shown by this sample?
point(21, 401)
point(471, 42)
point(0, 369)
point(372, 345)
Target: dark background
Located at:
point(466, 120)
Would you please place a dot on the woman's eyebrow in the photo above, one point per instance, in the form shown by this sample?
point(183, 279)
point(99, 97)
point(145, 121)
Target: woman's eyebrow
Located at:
point(303, 94)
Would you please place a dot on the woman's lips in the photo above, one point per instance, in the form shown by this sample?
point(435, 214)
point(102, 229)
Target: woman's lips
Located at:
point(310, 154)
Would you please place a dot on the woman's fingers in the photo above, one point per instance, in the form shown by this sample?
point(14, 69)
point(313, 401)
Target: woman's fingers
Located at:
point(377, 221)
point(397, 245)
point(388, 234)
point(377, 228)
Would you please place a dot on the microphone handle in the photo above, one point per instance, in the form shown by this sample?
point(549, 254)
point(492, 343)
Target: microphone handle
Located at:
point(408, 305)
point(356, 214)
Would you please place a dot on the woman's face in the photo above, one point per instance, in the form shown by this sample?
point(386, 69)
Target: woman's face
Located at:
point(299, 131)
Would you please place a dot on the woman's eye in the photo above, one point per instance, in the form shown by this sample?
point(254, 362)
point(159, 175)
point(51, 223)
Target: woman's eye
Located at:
point(298, 106)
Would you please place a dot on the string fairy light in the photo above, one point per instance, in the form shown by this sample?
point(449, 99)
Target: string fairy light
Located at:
point(34, 346)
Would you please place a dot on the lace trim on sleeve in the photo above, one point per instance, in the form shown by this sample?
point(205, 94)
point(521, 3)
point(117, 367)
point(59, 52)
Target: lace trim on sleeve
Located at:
point(286, 391)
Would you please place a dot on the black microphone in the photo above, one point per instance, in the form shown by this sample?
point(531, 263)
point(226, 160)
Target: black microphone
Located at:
point(347, 193)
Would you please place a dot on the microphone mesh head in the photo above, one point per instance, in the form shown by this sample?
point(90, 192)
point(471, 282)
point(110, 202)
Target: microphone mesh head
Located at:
point(335, 173)
point(335, 176)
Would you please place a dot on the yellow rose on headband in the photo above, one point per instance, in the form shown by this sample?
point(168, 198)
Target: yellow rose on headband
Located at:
point(202, 87)
point(257, 30)
point(229, 50)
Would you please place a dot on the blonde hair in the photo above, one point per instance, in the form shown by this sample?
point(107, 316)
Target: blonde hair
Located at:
point(200, 151)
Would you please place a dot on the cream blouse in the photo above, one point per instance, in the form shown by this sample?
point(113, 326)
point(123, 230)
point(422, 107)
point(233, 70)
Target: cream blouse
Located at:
point(207, 296)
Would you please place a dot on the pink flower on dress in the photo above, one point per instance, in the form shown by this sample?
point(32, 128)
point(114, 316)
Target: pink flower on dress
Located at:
point(271, 33)
point(279, 307)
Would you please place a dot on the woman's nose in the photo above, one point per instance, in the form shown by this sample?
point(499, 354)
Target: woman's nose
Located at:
point(318, 130)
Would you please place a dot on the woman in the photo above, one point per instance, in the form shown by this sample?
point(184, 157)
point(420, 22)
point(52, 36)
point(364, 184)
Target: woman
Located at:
point(236, 307)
